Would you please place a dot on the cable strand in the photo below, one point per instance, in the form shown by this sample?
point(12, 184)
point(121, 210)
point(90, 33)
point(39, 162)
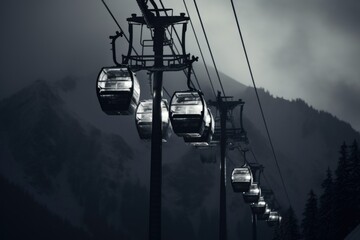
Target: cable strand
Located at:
point(259, 103)
point(209, 47)
point(177, 50)
point(201, 52)
point(117, 23)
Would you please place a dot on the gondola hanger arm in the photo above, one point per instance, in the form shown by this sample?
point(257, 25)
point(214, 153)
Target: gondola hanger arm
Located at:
point(113, 46)
point(193, 59)
point(148, 15)
point(155, 7)
point(112, 15)
point(244, 151)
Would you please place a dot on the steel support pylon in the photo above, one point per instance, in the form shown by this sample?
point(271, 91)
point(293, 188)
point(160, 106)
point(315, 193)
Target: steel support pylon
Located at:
point(223, 143)
point(254, 227)
point(156, 141)
point(158, 24)
point(224, 105)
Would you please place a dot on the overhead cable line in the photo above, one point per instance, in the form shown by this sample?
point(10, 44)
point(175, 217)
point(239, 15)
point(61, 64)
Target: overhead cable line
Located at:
point(259, 103)
point(201, 53)
point(176, 33)
point(167, 93)
point(177, 50)
point(208, 44)
point(123, 34)
point(117, 23)
point(266, 179)
point(255, 159)
point(241, 150)
point(184, 71)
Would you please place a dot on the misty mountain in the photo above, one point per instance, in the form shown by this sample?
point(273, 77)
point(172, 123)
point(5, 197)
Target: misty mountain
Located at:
point(306, 140)
point(72, 168)
point(93, 171)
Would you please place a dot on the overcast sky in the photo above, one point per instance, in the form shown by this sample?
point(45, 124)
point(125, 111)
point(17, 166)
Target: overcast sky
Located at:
point(298, 49)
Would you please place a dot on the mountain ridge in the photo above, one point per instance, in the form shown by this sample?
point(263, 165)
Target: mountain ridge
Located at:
point(109, 175)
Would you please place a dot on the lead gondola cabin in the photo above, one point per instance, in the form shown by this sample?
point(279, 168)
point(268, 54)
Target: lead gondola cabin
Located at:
point(118, 90)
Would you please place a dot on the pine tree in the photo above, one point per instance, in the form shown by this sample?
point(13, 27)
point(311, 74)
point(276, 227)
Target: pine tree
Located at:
point(326, 209)
point(289, 229)
point(343, 194)
point(277, 232)
point(354, 178)
point(309, 223)
point(207, 225)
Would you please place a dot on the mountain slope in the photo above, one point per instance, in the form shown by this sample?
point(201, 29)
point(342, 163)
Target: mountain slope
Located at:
point(306, 141)
point(98, 181)
point(71, 168)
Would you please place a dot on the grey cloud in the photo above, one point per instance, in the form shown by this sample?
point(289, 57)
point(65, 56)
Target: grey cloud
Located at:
point(320, 53)
point(341, 99)
point(342, 14)
point(67, 84)
point(295, 47)
point(346, 101)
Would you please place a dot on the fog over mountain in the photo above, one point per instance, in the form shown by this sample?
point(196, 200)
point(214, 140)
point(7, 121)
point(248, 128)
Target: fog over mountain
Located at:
point(92, 171)
point(59, 146)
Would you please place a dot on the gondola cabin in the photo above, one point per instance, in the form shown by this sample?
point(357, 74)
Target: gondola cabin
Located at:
point(188, 113)
point(259, 207)
point(265, 215)
point(143, 119)
point(118, 90)
point(206, 137)
point(253, 195)
point(274, 219)
point(241, 179)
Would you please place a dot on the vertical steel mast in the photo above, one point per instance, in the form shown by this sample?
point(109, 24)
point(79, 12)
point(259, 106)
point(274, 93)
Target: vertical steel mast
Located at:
point(254, 228)
point(156, 140)
point(158, 24)
point(223, 143)
point(224, 106)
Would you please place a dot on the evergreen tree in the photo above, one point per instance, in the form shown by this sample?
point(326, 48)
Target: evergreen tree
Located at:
point(354, 160)
point(208, 226)
point(309, 223)
point(289, 228)
point(343, 194)
point(277, 233)
point(326, 209)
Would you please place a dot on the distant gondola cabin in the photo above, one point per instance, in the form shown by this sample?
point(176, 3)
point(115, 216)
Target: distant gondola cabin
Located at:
point(118, 90)
point(259, 207)
point(265, 215)
point(188, 113)
point(206, 136)
point(274, 219)
point(143, 119)
point(241, 179)
point(253, 195)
